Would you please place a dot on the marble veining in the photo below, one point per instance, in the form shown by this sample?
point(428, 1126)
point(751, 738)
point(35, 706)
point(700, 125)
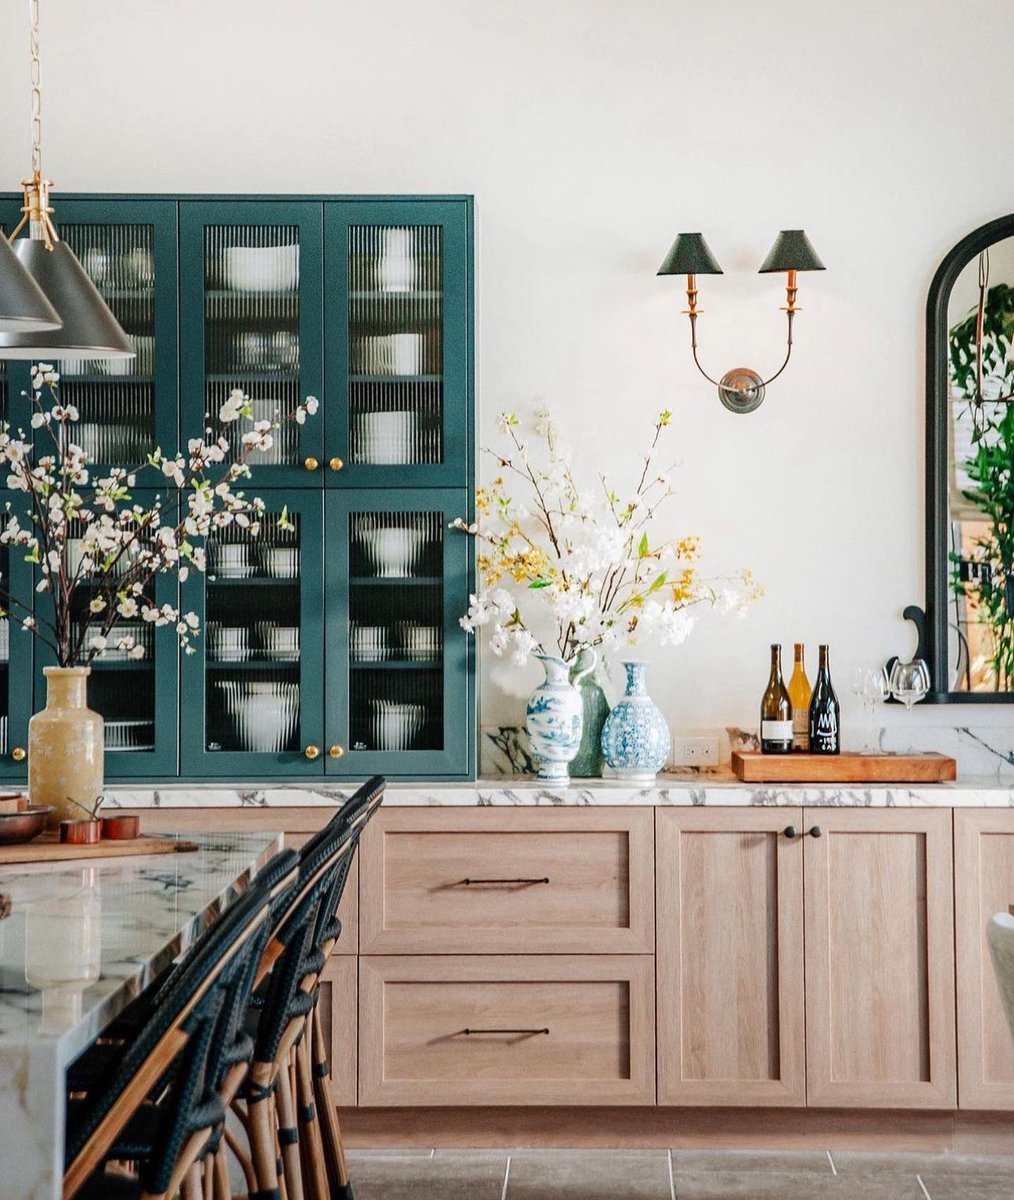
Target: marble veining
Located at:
point(77, 943)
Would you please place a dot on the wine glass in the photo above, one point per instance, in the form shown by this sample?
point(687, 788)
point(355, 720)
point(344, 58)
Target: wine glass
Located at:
point(871, 685)
point(910, 683)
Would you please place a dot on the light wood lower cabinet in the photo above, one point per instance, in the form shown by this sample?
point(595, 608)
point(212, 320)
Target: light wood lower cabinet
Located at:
point(339, 1013)
point(508, 881)
point(729, 956)
point(879, 933)
point(984, 872)
point(506, 1029)
point(860, 902)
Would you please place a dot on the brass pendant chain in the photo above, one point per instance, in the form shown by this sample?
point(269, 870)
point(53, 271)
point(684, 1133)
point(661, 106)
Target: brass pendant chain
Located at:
point(36, 209)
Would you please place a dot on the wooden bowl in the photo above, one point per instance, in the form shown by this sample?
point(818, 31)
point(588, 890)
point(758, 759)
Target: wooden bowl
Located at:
point(120, 829)
point(24, 825)
point(80, 833)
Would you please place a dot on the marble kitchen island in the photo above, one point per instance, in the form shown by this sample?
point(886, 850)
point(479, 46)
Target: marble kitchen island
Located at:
point(77, 943)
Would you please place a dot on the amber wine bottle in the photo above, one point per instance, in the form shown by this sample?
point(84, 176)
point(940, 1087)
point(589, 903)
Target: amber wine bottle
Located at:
point(800, 693)
point(776, 710)
point(825, 730)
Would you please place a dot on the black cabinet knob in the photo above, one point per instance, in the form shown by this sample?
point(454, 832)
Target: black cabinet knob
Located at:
point(791, 831)
point(816, 831)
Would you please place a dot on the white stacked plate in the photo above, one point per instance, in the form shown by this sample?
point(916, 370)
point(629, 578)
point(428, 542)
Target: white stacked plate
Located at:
point(370, 643)
point(395, 724)
point(130, 735)
point(230, 560)
point(386, 437)
point(389, 354)
point(5, 639)
point(421, 643)
point(278, 641)
point(278, 562)
point(262, 268)
point(228, 643)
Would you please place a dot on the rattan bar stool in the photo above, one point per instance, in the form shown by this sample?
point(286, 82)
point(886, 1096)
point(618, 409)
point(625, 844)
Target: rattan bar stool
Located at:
point(160, 1101)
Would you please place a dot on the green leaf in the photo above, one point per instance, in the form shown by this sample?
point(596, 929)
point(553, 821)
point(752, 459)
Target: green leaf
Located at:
point(540, 583)
point(658, 582)
point(642, 546)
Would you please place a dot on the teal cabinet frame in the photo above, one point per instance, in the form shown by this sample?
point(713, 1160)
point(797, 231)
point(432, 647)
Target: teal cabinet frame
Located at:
point(19, 668)
point(197, 758)
point(453, 757)
point(454, 220)
point(197, 215)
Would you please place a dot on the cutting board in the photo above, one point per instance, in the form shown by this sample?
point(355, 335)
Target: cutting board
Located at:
point(753, 767)
point(48, 848)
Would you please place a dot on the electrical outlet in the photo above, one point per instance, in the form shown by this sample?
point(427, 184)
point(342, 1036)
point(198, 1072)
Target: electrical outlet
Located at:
point(695, 752)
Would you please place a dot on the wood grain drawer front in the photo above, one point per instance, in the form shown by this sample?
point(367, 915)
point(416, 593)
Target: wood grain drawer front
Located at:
point(879, 935)
point(339, 1017)
point(730, 957)
point(984, 870)
point(512, 1030)
point(532, 881)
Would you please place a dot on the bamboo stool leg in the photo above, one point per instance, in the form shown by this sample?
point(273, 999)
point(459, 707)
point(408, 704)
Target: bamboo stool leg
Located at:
point(315, 1174)
point(222, 1188)
point(260, 1115)
point(279, 1167)
point(288, 1135)
point(327, 1115)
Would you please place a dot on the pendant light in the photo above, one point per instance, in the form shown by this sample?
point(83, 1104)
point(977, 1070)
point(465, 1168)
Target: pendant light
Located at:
point(88, 329)
point(23, 305)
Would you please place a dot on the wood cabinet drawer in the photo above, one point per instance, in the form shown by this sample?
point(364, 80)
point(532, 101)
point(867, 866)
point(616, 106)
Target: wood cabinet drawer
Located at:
point(339, 1017)
point(525, 1030)
point(522, 881)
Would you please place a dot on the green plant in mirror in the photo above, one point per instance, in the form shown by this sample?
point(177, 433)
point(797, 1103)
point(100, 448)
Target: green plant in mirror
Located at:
point(987, 467)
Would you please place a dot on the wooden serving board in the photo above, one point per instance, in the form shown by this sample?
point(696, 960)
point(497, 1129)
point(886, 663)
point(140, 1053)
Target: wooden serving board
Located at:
point(48, 848)
point(848, 767)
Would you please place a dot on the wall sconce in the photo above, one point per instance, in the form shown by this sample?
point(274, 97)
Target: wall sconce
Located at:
point(741, 390)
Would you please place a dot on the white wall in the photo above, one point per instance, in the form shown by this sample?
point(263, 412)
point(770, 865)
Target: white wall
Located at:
point(591, 131)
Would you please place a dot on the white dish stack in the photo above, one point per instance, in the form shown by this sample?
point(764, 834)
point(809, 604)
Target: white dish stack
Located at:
point(392, 550)
point(263, 714)
point(395, 724)
point(386, 437)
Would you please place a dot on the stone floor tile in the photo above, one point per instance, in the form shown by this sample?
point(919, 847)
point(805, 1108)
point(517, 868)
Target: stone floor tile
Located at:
point(923, 1162)
point(589, 1175)
point(444, 1176)
point(802, 1185)
point(968, 1185)
point(742, 1161)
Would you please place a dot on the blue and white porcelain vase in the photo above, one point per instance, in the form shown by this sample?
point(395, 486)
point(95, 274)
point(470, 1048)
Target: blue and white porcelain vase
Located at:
point(635, 737)
point(555, 718)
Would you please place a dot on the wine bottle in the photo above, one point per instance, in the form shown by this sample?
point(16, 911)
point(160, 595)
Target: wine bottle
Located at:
point(825, 729)
point(776, 710)
point(800, 693)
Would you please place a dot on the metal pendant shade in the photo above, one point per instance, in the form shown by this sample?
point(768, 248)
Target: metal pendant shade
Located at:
point(89, 329)
point(690, 255)
point(23, 304)
point(792, 251)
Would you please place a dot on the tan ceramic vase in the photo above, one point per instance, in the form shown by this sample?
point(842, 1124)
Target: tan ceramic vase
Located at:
point(65, 747)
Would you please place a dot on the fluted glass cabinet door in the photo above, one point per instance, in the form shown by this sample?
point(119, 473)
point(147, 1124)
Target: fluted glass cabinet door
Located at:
point(16, 654)
point(398, 697)
point(127, 406)
point(251, 316)
point(136, 696)
point(253, 691)
point(397, 370)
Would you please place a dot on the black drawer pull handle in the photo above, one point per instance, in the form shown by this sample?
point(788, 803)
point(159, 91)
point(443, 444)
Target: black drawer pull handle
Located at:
point(469, 882)
point(467, 1032)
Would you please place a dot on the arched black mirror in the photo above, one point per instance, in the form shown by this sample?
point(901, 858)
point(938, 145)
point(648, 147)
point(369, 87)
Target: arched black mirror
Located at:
point(967, 631)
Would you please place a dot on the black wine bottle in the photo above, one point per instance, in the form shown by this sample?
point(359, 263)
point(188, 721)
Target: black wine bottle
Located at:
point(825, 715)
point(776, 710)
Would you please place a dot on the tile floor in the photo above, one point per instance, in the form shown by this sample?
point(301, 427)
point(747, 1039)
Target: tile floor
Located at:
point(677, 1175)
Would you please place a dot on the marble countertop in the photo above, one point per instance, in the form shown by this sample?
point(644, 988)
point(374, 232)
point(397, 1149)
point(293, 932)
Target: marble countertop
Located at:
point(77, 943)
point(714, 788)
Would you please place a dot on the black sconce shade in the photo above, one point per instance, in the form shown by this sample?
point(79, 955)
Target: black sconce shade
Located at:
point(792, 251)
point(690, 256)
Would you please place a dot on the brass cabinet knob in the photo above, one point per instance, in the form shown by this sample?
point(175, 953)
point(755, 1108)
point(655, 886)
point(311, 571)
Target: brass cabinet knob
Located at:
point(336, 463)
point(19, 754)
point(312, 752)
point(336, 751)
point(311, 463)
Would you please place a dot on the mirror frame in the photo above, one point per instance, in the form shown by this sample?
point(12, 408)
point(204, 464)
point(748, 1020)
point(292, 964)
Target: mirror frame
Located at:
point(932, 624)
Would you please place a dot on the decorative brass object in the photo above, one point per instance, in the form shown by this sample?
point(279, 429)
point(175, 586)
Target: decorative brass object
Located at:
point(312, 752)
point(336, 463)
point(336, 751)
point(19, 754)
point(311, 463)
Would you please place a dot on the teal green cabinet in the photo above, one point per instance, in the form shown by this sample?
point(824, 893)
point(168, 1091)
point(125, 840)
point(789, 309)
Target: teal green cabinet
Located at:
point(331, 643)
